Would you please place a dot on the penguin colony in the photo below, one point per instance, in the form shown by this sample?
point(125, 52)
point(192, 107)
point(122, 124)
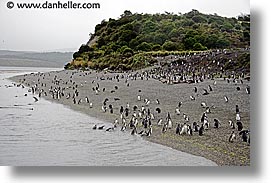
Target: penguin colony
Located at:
point(140, 114)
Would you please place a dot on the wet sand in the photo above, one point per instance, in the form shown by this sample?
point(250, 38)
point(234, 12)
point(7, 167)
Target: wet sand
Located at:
point(212, 145)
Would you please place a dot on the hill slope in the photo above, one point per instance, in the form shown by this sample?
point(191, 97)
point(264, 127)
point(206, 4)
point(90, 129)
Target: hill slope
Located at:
point(133, 40)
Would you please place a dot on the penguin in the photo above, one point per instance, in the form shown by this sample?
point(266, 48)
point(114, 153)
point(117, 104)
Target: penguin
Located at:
point(164, 128)
point(205, 92)
point(91, 105)
point(123, 128)
point(110, 129)
point(210, 88)
point(216, 123)
point(159, 122)
point(178, 129)
point(195, 89)
point(94, 127)
point(232, 137)
point(192, 97)
point(195, 126)
point(115, 123)
point(180, 104)
point(157, 101)
point(238, 117)
point(35, 99)
point(203, 104)
point(201, 129)
point(226, 99)
point(139, 98)
point(231, 124)
point(244, 135)
point(189, 130)
point(169, 123)
point(177, 111)
point(104, 108)
point(134, 131)
point(247, 90)
point(101, 127)
point(149, 133)
point(239, 125)
point(158, 110)
point(237, 109)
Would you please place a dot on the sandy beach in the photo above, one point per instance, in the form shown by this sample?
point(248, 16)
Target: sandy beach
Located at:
point(213, 144)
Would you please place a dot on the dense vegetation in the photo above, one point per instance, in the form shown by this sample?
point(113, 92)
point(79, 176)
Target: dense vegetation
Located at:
point(132, 41)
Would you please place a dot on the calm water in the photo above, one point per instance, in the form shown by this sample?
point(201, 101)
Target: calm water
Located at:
point(46, 133)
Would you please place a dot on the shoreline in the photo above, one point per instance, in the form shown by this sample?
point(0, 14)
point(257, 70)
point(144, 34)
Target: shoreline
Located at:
point(213, 145)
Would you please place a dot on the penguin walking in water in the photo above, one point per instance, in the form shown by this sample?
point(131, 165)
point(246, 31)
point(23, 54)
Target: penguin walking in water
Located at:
point(134, 131)
point(101, 127)
point(35, 99)
point(232, 137)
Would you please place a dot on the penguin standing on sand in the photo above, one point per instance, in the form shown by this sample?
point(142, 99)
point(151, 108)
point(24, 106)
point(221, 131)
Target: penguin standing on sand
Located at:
point(216, 123)
point(239, 125)
point(232, 137)
point(201, 130)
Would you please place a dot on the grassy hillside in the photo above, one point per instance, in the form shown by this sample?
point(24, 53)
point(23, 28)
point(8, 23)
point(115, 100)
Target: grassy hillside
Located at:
point(124, 43)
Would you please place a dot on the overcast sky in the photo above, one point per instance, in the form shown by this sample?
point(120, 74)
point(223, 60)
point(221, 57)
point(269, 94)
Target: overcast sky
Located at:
point(51, 30)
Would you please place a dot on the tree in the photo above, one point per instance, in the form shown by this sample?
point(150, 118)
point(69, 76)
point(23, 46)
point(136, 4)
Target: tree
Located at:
point(144, 46)
point(199, 47)
point(170, 46)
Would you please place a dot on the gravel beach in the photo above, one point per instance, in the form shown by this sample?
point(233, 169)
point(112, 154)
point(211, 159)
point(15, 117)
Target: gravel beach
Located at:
point(122, 90)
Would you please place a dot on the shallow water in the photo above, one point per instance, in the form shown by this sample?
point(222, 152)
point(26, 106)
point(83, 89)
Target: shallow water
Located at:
point(44, 134)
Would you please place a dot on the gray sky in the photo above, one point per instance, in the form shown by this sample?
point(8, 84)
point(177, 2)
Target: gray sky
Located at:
point(67, 29)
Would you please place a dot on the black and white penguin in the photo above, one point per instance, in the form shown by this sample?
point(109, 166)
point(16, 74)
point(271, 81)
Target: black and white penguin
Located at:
point(245, 135)
point(210, 88)
point(216, 123)
point(157, 101)
point(201, 130)
point(231, 124)
point(237, 109)
point(178, 129)
point(225, 98)
point(196, 127)
point(239, 125)
point(159, 123)
point(232, 137)
point(101, 127)
point(247, 89)
point(205, 92)
point(192, 97)
point(158, 110)
point(94, 127)
point(164, 128)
